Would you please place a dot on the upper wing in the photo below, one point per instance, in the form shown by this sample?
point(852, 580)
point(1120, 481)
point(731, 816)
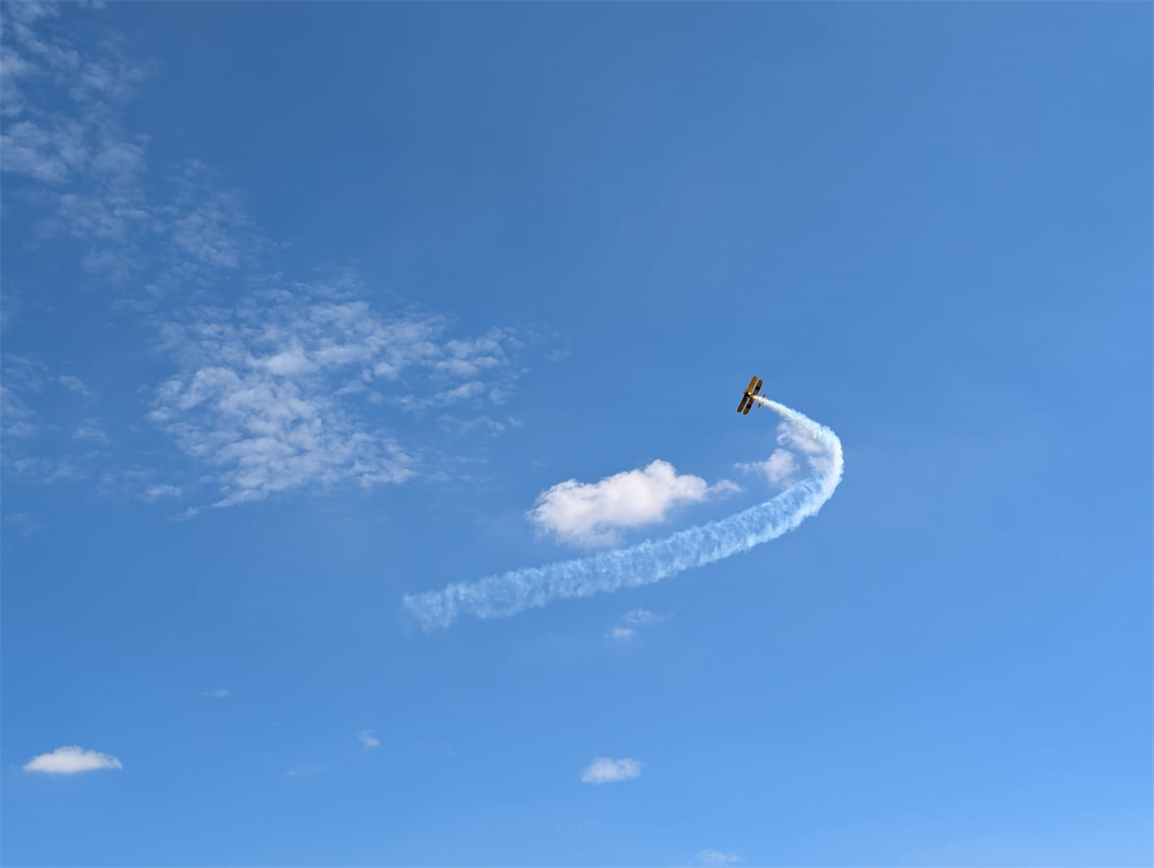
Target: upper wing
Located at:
point(757, 388)
point(746, 402)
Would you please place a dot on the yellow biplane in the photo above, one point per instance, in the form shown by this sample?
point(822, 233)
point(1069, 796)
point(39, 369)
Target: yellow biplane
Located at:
point(747, 402)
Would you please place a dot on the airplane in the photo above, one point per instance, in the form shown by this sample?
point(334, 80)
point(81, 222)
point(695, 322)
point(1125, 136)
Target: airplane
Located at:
point(747, 402)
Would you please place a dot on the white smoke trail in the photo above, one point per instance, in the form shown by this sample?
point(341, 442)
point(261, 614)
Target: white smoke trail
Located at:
point(652, 560)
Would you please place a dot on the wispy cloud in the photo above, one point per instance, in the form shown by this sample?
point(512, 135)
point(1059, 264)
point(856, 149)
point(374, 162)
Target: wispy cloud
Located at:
point(23, 523)
point(277, 384)
point(70, 761)
point(716, 858)
point(641, 616)
point(306, 771)
point(159, 492)
point(271, 392)
point(635, 618)
point(219, 693)
point(90, 429)
point(75, 384)
point(368, 742)
point(779, 469)
point(12, 299)
point(19, 420)
point(594, 513)
point(604, 770)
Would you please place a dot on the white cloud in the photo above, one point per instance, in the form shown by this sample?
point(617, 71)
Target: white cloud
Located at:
point(46, 471)
point(280, 391)
point(19, 419)
point(45, 154)
point(12, 301)
point(368, 742)
point(783, 466)
point(636, 618)
point(70, 761)
point(89, 429)
point(604, 770)
point(270, 392)
point(592, 514)
point(156, 492)
point(219, 693)
point(306, 771)
point(23, 523)
point(717, 857)
point(641, 616)
point(779, 468)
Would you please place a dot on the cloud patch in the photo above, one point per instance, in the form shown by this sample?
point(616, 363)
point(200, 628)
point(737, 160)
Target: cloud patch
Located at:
point(275, 384)
point(594, 513)
point(795, 449)
point(716, 858)
point(604, 770)
point(641, 616)
point(634, 618)
point(71, 760)
point(368, 742)
point(286, 390)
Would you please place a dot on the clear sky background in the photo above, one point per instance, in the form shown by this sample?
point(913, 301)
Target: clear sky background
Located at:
point(306, 305)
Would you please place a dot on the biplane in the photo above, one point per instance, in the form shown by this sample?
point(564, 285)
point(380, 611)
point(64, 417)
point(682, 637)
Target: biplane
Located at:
point(747, 402)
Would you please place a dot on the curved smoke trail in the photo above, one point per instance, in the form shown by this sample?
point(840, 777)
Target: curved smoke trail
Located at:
point(652, 560)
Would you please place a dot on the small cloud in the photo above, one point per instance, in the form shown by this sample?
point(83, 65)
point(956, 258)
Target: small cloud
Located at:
point(635, 618)
point(187, 514)
point(716, 857)
point(604, 770)
point(70, 761)
point(641, 616)
point(368, 742)
point(593, 513)
point(23, 523)
point(303, 771)
point(782, 467)
point(156, 492)
point(76, 385)
point(220, 693)
point(779, 468)
point(89, 429)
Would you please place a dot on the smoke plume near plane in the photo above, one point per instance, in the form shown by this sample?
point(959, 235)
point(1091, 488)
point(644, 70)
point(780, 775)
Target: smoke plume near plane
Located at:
point(653, 560)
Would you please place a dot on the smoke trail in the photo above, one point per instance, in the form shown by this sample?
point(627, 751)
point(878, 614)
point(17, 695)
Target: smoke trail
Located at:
point(652, 560)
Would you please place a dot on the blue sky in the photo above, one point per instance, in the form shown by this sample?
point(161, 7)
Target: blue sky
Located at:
point(308, 308)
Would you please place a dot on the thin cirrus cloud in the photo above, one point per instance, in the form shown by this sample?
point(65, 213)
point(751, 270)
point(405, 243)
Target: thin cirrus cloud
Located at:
point(71, 760)
point(367, 740)
point(604, 770)
point(634, 618)
point(716, 858)
point(641, 616)
point(219, 693)
point(286, 386)
point(276, 394)
point(594, 513)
